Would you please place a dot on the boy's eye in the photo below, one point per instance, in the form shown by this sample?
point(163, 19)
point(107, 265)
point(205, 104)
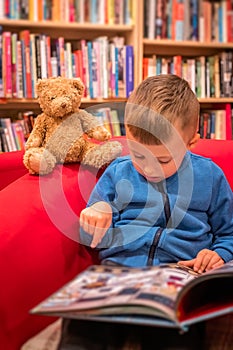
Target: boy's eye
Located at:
point(164, 161)
point(138, 156)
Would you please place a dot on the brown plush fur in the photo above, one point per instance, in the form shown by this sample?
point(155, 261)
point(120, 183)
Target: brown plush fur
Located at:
point(62, 132)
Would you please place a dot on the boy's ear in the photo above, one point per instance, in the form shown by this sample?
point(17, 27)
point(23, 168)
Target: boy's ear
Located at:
point(194, 140)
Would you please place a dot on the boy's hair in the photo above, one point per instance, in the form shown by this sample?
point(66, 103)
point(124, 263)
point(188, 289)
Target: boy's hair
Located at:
point(157, 104)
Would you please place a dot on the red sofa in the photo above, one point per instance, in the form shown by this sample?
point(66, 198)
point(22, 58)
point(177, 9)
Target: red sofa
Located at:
point(38, 233)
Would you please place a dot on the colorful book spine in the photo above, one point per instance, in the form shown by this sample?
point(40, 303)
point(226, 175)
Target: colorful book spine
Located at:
point(1, 68)
point(14, 63)
point(38, 56)
point(96, 48)
point(129, 69)
point(33, 63)
point(194, 19)
point(229, 20)
point(90, 71)
point(25, 38)
point(19, 70)
point(6, 59)
point(6, 124)
point(85, 67)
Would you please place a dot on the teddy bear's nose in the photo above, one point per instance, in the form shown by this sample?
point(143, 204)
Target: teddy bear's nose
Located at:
point(63, 105)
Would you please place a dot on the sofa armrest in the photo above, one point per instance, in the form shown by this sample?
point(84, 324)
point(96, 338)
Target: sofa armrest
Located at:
point(39, 251)
point(11, 167)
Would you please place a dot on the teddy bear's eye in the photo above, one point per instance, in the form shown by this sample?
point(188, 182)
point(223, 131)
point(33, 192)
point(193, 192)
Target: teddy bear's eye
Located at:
point(52, 98)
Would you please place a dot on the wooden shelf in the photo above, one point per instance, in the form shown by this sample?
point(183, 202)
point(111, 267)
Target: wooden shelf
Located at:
point(184, 48)
point(68, 30)
point(11, 107)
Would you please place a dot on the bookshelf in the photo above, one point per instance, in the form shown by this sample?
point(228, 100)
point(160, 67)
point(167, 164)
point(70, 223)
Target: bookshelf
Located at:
point(133, 34)
point(73, 31)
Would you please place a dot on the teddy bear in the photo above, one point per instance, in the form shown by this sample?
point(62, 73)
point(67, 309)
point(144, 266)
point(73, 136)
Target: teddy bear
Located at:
point(64, 133)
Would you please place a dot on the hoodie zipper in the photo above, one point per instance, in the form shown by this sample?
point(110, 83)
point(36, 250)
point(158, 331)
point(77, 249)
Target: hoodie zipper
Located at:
point(167, 211)
point(153, 246)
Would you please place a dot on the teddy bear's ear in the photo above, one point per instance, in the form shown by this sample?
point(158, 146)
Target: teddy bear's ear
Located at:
point(78, 84)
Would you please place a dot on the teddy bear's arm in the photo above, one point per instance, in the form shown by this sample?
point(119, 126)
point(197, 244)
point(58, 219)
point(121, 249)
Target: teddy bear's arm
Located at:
point(37, 134)
point(93, 127)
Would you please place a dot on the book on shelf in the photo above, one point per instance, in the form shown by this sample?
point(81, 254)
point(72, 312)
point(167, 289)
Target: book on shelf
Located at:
point(115, 122)
point(1, 62)
point(129, 69)
point(24, 36)
point(216, 123)
point(5, 123)
point(3, 140)
point(6, 64)
point(168, 295)
point(19, 70)
point(18, 132)
point(14, 64)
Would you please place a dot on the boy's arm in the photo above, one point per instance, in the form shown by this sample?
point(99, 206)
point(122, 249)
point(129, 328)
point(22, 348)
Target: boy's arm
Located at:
point(220, 216)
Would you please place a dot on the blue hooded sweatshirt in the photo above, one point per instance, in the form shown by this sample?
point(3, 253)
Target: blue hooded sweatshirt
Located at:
point(164, 222)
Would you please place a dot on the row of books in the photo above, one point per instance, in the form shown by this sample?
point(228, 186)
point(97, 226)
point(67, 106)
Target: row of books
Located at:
point(105, 66)
point(111, 119)
point(80, 11)
point(13, 133)
point(217, 123)
point(209, 76)
point(199, 20)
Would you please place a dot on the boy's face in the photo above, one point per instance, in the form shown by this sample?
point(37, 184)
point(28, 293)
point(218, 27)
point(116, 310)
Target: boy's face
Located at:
point(158, 162)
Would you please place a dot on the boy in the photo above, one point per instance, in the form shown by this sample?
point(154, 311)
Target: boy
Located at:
point(162, 203)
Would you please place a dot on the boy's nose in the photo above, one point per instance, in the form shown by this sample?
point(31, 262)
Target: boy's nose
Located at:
point(149, 170)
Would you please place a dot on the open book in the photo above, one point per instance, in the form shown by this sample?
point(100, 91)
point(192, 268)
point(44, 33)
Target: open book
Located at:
point(167, 295)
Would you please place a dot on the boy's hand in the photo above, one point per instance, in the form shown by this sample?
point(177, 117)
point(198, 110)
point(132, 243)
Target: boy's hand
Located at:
point(205, 260)
point(95, 220)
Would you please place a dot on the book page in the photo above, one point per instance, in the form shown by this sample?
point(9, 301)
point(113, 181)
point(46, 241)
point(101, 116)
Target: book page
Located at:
point(207, 296)
point(120, 290)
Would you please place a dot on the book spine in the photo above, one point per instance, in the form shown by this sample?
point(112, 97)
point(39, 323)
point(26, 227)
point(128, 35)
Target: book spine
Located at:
point(25, 38)
point(159, 19)
point(90, 71)
point(23, 68)
point(19, 135)
point(38, 56)
point(3, 139)
point(68, 60)
point(48, 55)
point(33, 63)
point(129, 69)
point(14, 63)
point(61, 56)
point(194, 20)
point(96, 48)
point(43, 55)
point(229, 20)
point(85, 67)
point(7, 73)
point(179, 20)
point(1, 63)
point(19, 70)
point(6, 123)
